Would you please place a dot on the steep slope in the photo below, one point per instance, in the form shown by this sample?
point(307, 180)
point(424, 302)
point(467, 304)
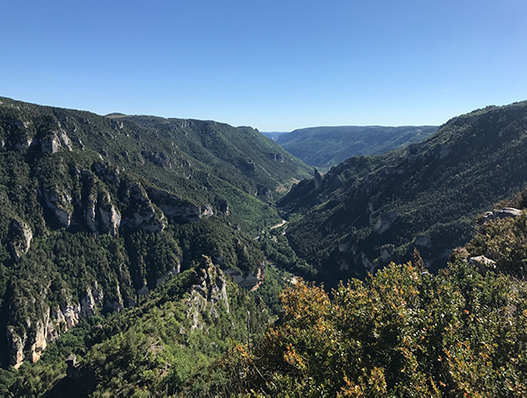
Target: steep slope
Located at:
point(155, 348)
point(97, 211)
point(404, 330)
point(240, 155)
point(324, 147)
point(368, 211)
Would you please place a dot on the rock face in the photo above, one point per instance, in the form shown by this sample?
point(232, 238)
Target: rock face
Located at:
point(95, 208)
point(209, 291)
point(53, 322)
point(52, 141)
point(318, 180)
point(385, 221)
point(251, 281)
point(59, 202)
point(20, 238)
point(177, 208)
point(100, 215)
point(141, 213)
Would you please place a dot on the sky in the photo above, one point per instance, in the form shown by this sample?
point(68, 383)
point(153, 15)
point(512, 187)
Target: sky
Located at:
point(273, 65)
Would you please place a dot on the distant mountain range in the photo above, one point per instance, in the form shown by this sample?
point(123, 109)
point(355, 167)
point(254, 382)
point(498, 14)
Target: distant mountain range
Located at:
point(370, 210)
point(324, 147)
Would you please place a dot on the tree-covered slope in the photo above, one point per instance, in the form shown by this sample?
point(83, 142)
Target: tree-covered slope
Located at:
point(98, 211)
point(368, 211)
point(163, 346)
point(405, 331)
point(324, 147)
point(239, 155)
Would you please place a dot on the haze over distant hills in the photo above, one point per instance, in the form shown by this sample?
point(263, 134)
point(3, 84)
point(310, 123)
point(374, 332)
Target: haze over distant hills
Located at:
point(324, 147)
point(274, 134)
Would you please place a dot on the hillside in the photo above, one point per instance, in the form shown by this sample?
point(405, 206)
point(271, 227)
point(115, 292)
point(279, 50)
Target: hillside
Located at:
point(324, 147)
point(119, 257)
point(99, 211)
point(368, 211)
point(240, 156)
point(405, 331)
point(157, 347)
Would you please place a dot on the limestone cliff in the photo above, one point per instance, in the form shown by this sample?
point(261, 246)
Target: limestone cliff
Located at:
point(27, 343)
point(207, 293)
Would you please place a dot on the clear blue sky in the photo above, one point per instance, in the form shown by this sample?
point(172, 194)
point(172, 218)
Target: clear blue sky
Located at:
point(273, 65)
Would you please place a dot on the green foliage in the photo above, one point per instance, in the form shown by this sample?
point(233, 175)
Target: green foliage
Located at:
point(505, 242)
point(370, 210)
point(403, 332)
point(152, 347)
point(224, 244)
point(67, 178)
point(277, 249)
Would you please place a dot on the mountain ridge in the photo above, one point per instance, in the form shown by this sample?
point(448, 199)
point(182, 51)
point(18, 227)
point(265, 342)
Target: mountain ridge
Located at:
point(368, 211)
point(326, 146)
point(97, 212)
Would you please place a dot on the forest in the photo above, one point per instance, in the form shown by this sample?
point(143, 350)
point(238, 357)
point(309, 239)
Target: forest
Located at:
point(143, 256)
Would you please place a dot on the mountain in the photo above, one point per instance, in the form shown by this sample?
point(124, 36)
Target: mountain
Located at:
point(122, 238)
point(324, 147)
point(240, 156)
point(370, 210)
point(157, 347)
point(99, 211)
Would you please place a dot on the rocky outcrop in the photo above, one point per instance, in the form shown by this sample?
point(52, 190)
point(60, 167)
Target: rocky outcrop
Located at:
point(251, 281)
point(52, 141)
point(385, 221)
point(501, 213)
point(109, 217)
point(50, 326)
point(100, 215)
point(482, 262)
point(59, 202)
point(20, 236)
point(159, 158)
point(208, 291)
point(181, 210)
point(107, 172)
point(141, 213)
point(319, 178)
point(278, 157)
point(20, 133)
